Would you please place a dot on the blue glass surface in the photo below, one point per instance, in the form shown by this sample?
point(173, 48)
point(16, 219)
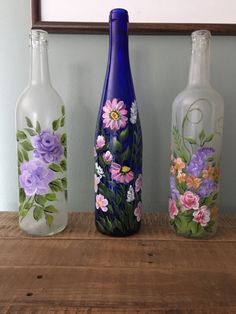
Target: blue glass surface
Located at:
point(118, 141)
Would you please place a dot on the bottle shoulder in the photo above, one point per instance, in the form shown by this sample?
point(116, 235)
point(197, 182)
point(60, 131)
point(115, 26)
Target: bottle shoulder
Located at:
point(35, 96)
point(192, 94)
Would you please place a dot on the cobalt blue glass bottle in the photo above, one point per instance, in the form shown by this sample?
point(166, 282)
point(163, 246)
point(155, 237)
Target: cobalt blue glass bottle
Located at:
point(118, 141)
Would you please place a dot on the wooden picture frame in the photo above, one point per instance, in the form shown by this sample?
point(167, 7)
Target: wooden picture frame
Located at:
point(134, 28)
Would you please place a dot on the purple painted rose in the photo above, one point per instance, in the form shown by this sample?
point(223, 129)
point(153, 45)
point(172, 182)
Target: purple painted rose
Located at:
point(198, 161)
point(47, 146)
point(207, 187)
point(35, 177)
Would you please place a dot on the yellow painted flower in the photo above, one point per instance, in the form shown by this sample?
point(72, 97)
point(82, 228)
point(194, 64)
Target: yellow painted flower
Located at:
point(211, 172)
point(193, 182)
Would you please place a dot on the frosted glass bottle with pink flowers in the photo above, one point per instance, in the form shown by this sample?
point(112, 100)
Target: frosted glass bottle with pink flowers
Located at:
point(41, 146)
point(197, 126)
point(118, 141)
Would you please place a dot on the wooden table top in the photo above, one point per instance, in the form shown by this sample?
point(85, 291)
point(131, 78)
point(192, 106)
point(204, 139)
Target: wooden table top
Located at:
point(83, 271)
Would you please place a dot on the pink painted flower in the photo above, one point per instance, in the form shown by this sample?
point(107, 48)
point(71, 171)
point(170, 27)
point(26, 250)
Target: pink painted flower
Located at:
point(114, 116)
point(121, 174)
point(173, 210)
point(101, 202)
point(94, 152)
point(96, 182)
point(189, 200)
point(100, 141)
point(107, 157)
point(138, 183)
point(202, 216)
point(138, 212)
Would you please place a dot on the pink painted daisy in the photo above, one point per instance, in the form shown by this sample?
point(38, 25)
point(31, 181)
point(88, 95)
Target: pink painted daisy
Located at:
point(114, 116)
point(121, 174)
point(101, 202)
point(138, 212)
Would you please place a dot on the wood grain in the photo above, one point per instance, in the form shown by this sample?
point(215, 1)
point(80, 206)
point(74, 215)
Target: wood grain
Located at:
point(83, 271)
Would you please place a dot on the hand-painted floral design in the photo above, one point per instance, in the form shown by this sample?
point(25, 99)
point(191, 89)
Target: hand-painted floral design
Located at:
point(138, 183)
point(173, 210)
point(101, 203)
point(96, 182)
point(194, 182)
point(130, 194)
point(202, 216)
point(133, 113)
point(189, 200)
point(118, 168)
point(114, 116)
point(100, 142)
point(107, 157)
point(138, 212)
point(47, 146)
point(121, 174)
point(35, 177)
point(41, 166)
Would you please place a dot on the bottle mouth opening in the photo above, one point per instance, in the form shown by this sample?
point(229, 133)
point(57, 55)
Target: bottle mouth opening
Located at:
point(38, 36)
point(119, 14)
point(201, 34)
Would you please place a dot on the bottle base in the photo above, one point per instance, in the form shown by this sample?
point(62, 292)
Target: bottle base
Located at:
point(50, 233)
point(118, 233)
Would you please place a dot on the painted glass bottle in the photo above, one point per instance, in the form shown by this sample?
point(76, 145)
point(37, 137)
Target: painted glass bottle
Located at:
point(118, 141)
point(197, 126)
point(41, 145)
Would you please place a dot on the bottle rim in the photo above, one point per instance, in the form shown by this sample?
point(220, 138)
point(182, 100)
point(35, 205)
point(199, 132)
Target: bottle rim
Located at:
point(119, 14)
point(202, 33)
point(38, 36)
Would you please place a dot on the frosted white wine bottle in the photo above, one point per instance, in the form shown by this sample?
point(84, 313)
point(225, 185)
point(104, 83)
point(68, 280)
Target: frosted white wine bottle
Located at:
point(197, 127)
point(41, 147)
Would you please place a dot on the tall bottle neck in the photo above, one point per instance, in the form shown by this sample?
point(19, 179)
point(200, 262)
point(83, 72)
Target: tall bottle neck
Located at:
point(39, 70)
point(199, 74)
point(119, 47)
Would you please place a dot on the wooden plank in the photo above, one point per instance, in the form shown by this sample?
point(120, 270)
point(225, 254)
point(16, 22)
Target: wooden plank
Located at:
point(50, 309)
point(129, 254)
point(94, 287)
point(154, 227)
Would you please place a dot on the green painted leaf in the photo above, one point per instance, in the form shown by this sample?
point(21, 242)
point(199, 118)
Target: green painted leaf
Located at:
point(64, 183)
point(49, 219)
point(63, 110)
point(191, 140)
point(56, 185)
point(124, 134)
point(23, 212)
point(38, 127)
point(25, 155)
point(63, 139)
point(31, 131)
point(20, 156)
point(27, 146)
point(126, 154)
point(65, 151)
point(28, 122)
point(56, 124)
point(209, 138)
point(51, 197)
point(63, 165)
point(20, 135)
point(210, 159)
point(194, 227)
point(50, 209)
point(55, 167)
point(41, 200)
point(28, 205)
point(62, 123)
point(202, 135)
point(22, 195)
point(116, 145)
point(100, 226)
point(38, 213)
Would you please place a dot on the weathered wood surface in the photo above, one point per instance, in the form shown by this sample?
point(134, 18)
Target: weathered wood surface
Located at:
point(83, 271)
